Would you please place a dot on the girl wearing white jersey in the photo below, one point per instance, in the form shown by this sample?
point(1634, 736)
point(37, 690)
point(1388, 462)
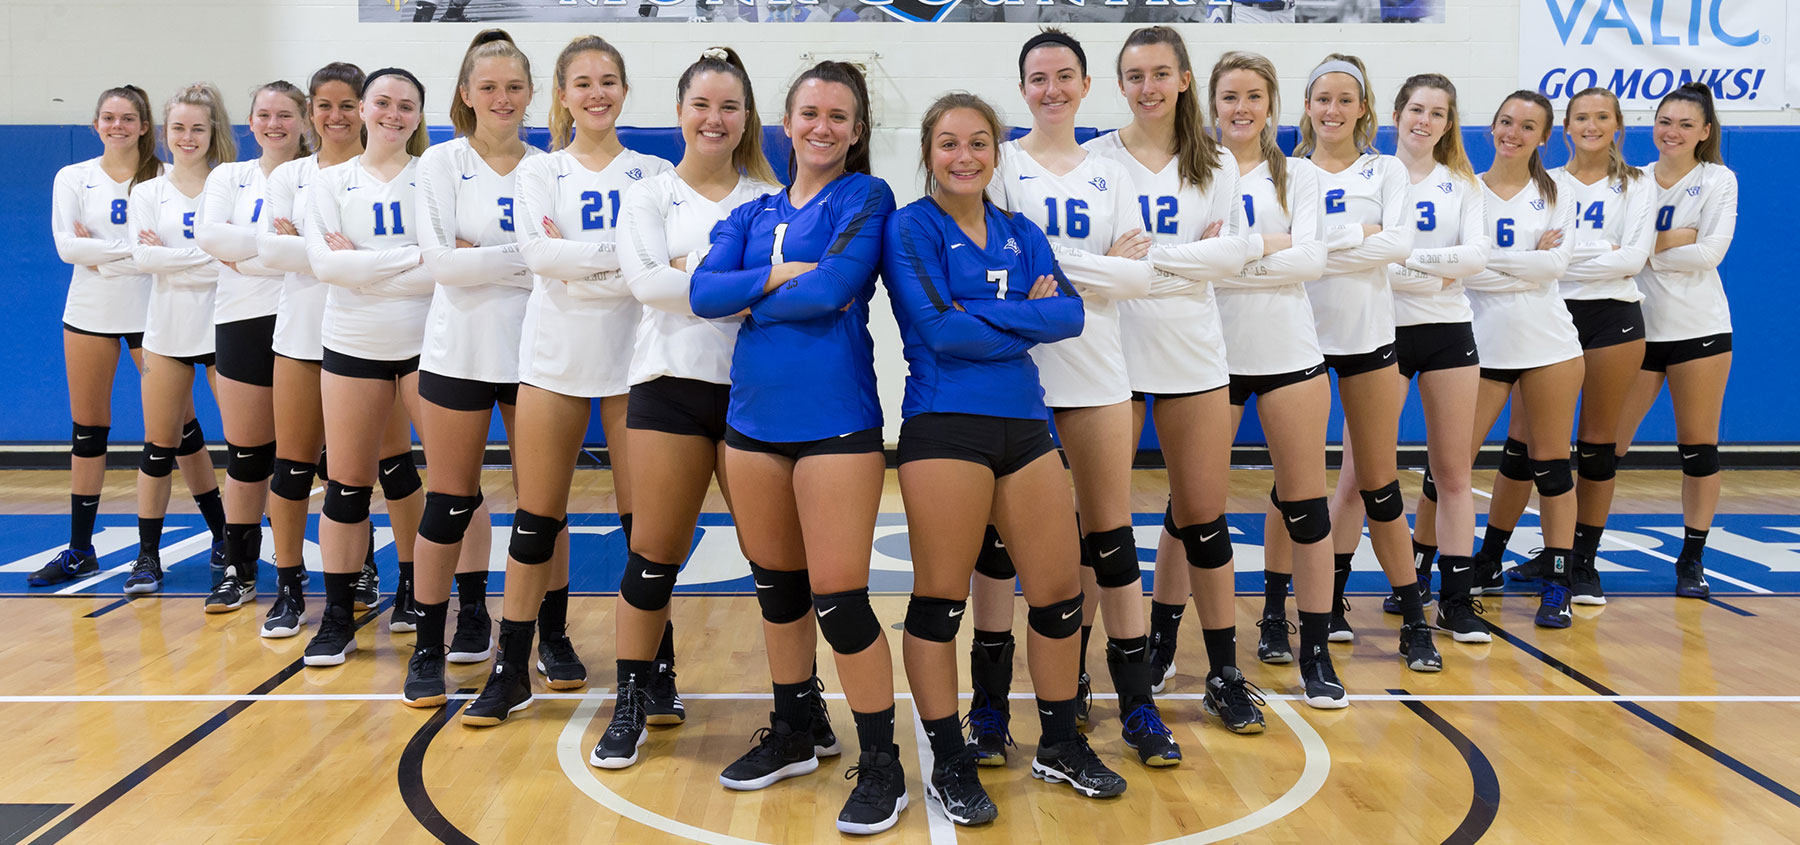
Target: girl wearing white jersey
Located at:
point(575, 346)
point(362, 231)
point(178, 334)
point(1524, 330)
point(470, 359)
point(1687, 320)
point(333, 107)
point(680, 376)
point(244, 313)
point(1368, 225)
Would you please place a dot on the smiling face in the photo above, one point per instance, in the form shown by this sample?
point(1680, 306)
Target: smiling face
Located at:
point(391, 110)
point(712, 114)
point(275, 121)
point(1591, 123)
point(498, 91)
point(188, 133)
point(1151, 78)
point(1519, 129)
point(118, 124)
point(1241, 106)
point(821, 122)
point(593, 89)
point(1054, 85)
point(962, 154)
point(1334, 106)
point(337, 113)
point(1424, 119)
point(1680, 127)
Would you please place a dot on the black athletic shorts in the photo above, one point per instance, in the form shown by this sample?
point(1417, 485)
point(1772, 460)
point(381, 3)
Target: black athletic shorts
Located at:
point(1002, 444)
point(1242, 387)
point(245, 350)
point(1362, 362)
point(679, 406)
point(134, 340)
point(1435, 346)
point(1141, 396)
point(1659, 354)
point(350, 366)
point(1606, 322)
point(854, 443)
point(1502, 376)
point(462, 394)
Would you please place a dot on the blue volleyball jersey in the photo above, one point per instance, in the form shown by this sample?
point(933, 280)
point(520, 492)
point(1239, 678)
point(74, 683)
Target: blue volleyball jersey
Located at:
point(963, 312)
point(804, 366)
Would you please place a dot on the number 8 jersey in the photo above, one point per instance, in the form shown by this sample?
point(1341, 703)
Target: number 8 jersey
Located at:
point(108, 294)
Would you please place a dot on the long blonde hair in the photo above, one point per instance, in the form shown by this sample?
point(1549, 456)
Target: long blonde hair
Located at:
point(747, 156)
point(489, 43)
point(1363, 133)
point(221, 145)
point(1448, 151)
point(1271, 150)
point(1617, 168)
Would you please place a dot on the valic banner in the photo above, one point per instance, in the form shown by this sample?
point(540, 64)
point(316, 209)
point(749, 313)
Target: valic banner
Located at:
point(1643, 49)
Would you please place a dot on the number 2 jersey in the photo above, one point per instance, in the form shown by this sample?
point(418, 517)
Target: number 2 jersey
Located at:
point(1521, 322)
point(380, 291)
point(114, 295)
point(180, 319)
point(1683, 294)
point(1352, 305)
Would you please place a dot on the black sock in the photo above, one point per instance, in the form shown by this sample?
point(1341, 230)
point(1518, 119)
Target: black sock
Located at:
point(553, 614)
point(791, 705)
point(1458, 576)
point(340, 591)
point(665, 651)
point(1423, 556)
point(1496, 539)
point(1221, 648)
point(1165, 621)
point(471, 587)
point(406, 570)
point(239, 537)
point(1693, 542)
point(1412, 606)
point(1315, 629)
point(213, 509)
point(1087, 633)
point(641, 670)
point(945, 736)
point(875, 731)
point(1587, 539)
point(992, 644)
point(150, 536)
point(1058, 720)
point(430, 633)
point(1275, 590)
point(515, 645)
point(82, 511)
point(1341, 575)
point(287, 579)
point(1133, 649)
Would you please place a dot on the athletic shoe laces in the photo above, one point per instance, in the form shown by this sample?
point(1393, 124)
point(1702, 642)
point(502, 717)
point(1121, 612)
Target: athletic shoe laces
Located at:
point(145, 565)
point(1239, 692)
point(1555, 594)
point(987, 721)
point(628, 714)
point(1280, 622)
point(1146, 720)
point(68, 561)
point(871, 781)
point(559, 650)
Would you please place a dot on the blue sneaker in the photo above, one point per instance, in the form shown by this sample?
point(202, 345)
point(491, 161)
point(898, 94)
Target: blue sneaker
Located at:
point(68, 565)
point(1553, 606)
point(146, 576)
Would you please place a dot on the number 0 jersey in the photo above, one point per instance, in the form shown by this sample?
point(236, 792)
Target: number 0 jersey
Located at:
point(1683, 294)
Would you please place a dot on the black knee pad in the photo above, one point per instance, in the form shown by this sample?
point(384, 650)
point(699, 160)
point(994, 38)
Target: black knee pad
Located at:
point(784, 596)
point(1169, 519)
point(647, 585)
point(1552, 477)
point(1699, 460)
point(447, 517)
point(346, 504)
point(1385, 504)
point(89, 441)
point(848, 621)
point(193, 439)
point(993, 560)
point(1057, 621)
point(1596, 461)
point(533, 538)
point(1515, 460)
point(933, 619)
point(399, 476)
point(292, 480)
point(1274, 498)
point(158, 461)
point(1208, 544)
point(1429, 488)
point(1113, 555)
point(250, 464)
point(1307, 521)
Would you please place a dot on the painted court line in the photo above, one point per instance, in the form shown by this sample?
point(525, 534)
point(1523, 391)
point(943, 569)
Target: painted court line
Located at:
point(607, 694)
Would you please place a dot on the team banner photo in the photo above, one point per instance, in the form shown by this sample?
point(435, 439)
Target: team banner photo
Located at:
point(907, 11)
point(1643, 49)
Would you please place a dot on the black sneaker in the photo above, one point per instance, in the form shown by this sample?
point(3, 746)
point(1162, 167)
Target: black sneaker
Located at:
point(1690, 580)
point(1537, 568)
point(404, 618)
point(68, 565)
point(508, 691)
point(473, 641)
point(1323, 689)
point(664, 706)
point(618, 747)
point(781, 752)
point(368, 585)
point(335, 639)
point(1459, 615)
point(955, 784)
point(1145, 732)
point(1340, 631)
point(1584, 581)
point(1553, 606)
point(825, 743)
point(1487, 576)
point(1084, 700)
point(1234, 700)
point(146, 576)
point(880, 794)
point(231, 593)
point(989, 735)
point(1162, 656)
point(1418, 649)
point(559, 664)
point(1273, 646)
point(1075, 763)
point(425, 678)
point(286, 616)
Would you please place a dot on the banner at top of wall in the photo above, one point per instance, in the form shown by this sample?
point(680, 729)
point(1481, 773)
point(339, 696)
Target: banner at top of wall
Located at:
point(1643, 49)
point(915, 11)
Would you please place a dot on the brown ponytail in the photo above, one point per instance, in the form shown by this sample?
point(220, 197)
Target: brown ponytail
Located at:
point(1195, 151)
point(562, 123)
point(148, 165)
point(1546, 185)
point(1271, 150)
point(488, 43)
point(848, 75)
point(1700, 95)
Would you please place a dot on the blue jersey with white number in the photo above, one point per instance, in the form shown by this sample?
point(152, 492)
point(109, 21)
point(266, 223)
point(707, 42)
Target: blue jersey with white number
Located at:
point(964, 315)
point(804, 365)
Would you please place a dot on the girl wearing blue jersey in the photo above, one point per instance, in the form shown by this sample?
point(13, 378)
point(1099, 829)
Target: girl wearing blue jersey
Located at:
point(974, 288)
point(806, 486)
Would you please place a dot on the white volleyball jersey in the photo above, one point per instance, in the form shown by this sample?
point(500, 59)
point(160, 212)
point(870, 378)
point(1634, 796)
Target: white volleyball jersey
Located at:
point(1173, 340)
point(581, 320)
point(1614, 235)
point(380, 292)
point(473, 329)
point(1352, 306)
point(231, 211)
point(1520, 320)
point(1081, 212)
point(1683, 294)
point(107, 292)
point(1450, 243)
point(180, 318)
point(300, 313)
point(663, 219)
point(1267, 317)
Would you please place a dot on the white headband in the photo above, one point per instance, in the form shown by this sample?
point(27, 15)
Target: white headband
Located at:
point(1337, 66)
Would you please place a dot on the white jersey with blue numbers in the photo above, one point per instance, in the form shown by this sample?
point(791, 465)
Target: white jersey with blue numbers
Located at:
point(1173, 340)
point(300, 313)
point(665, 219)
point(230, 213)
point(1081, 212)
point(1450, 243)
point(1352, 306)
point(108, 294)
point(1521, 322)
point(473, 329)
point(1264, 307)
point(581, 320)
point(1614, 234)
point(381, 290)
point(1683, 294)
point(179, 323)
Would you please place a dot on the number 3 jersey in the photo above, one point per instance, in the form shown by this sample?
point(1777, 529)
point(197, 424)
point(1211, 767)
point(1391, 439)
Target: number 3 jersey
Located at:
point(1451, 243)
point(1683, 295)
point(1521, 322)
point(180, 319)
point(581, 320)
point(113, 296)
point(380, 291)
